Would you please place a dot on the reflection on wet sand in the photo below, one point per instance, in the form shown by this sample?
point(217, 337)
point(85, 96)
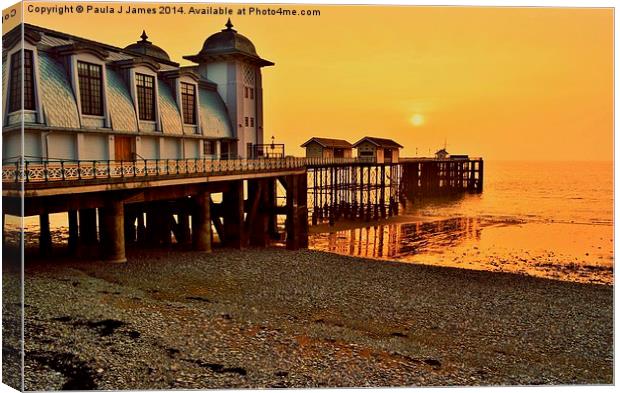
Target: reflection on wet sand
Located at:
point(582, 253)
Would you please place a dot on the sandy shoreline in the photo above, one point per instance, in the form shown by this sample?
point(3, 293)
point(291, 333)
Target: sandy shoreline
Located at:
point(275, 318)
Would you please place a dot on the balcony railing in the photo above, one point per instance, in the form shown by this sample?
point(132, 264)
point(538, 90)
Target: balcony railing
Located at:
point(31, 171)
point(38, 170)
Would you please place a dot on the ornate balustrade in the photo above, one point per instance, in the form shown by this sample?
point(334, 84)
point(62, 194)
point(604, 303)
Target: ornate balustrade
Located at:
point(36, 171)
point(321, 161)
point(67, 170)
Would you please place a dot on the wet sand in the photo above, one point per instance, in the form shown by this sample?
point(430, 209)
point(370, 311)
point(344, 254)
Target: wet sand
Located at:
point(578, 252)
point(276, 318)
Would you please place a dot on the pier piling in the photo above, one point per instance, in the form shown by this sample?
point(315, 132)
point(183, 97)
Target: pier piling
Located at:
point(45, 237)
point(233, 203)
point(201, 222)
point(112, 230)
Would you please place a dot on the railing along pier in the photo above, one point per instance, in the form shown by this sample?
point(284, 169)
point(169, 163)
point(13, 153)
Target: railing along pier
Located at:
point(151, 201)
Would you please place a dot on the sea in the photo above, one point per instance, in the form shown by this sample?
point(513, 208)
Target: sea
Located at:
point(543, 219)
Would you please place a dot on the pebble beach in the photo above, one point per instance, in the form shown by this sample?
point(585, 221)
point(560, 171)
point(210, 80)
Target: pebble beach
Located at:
point(272, 318)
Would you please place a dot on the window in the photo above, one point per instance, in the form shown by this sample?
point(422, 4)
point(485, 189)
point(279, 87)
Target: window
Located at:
point(208, 147)
point(246, 92)
point(15, 103)
point(251, 122)
point(188, 100)
point(247, 121)
point(91, 93)
point(251, 93)
point(146, 96)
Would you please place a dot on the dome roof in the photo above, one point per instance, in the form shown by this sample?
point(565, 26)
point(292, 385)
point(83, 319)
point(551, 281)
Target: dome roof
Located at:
point(144, 47)
point(227, 41)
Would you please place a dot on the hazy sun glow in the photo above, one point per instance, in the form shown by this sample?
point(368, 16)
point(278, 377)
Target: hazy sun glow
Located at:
point(417, 120)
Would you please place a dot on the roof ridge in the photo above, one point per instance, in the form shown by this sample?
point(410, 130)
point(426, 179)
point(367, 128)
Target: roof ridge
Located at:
point(65, 36)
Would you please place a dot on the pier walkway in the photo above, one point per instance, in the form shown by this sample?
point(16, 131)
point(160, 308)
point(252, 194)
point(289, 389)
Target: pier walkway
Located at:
point(153, 201)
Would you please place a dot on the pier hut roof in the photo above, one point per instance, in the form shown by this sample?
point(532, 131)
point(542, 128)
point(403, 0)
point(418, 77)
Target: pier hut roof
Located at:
point(329, 143)
point(442, 151)
point(379, 142)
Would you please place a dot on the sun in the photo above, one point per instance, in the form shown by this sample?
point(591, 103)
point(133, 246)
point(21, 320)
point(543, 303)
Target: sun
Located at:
point(417, 120)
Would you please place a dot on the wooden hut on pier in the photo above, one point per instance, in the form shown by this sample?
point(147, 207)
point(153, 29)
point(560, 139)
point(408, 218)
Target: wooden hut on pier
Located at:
point(442, 154)
point(377, 150)
point(328, 148)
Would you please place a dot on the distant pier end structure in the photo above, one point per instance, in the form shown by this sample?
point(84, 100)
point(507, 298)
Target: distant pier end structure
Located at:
point(136, 149)
point(442, 175)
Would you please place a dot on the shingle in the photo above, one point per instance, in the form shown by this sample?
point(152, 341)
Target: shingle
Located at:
point(122, 111)
point(57, 97)
point(214, 116)
point(169, 111)
point(53, 41)
point(330, 143)
point(381, 142)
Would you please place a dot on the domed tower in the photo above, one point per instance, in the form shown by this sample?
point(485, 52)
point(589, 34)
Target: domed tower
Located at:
point(230, 60)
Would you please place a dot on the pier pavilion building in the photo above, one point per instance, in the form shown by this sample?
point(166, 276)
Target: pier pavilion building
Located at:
point(85, 100)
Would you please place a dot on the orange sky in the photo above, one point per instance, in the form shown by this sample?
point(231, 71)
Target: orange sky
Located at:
point(504, 83)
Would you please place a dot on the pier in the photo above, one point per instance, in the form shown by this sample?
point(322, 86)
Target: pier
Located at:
point(110, 204)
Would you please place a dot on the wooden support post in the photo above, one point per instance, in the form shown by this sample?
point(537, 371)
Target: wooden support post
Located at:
point(470, 178)
point(112, 229)
point(166, 221)
point(315, 204)
point(72, 216)
point(361, 205)
point(45, 236)
point(382, 192)
point(353, 209)
point(218, 225)
point(234, 233)
point(201, 222)
point(152, 224)
point(183, 231)
point(87, 227)
point(480, 175)
point(272, 203)
point(130, 225)
point(302, 210)
point(141, 226)
point(326, 185)
point(333, 210)
point(258, 214)
point(368, 199)
point(297, 213)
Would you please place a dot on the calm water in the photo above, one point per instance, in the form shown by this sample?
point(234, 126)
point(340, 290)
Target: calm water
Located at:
point(551, 220)
point(546, 219)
